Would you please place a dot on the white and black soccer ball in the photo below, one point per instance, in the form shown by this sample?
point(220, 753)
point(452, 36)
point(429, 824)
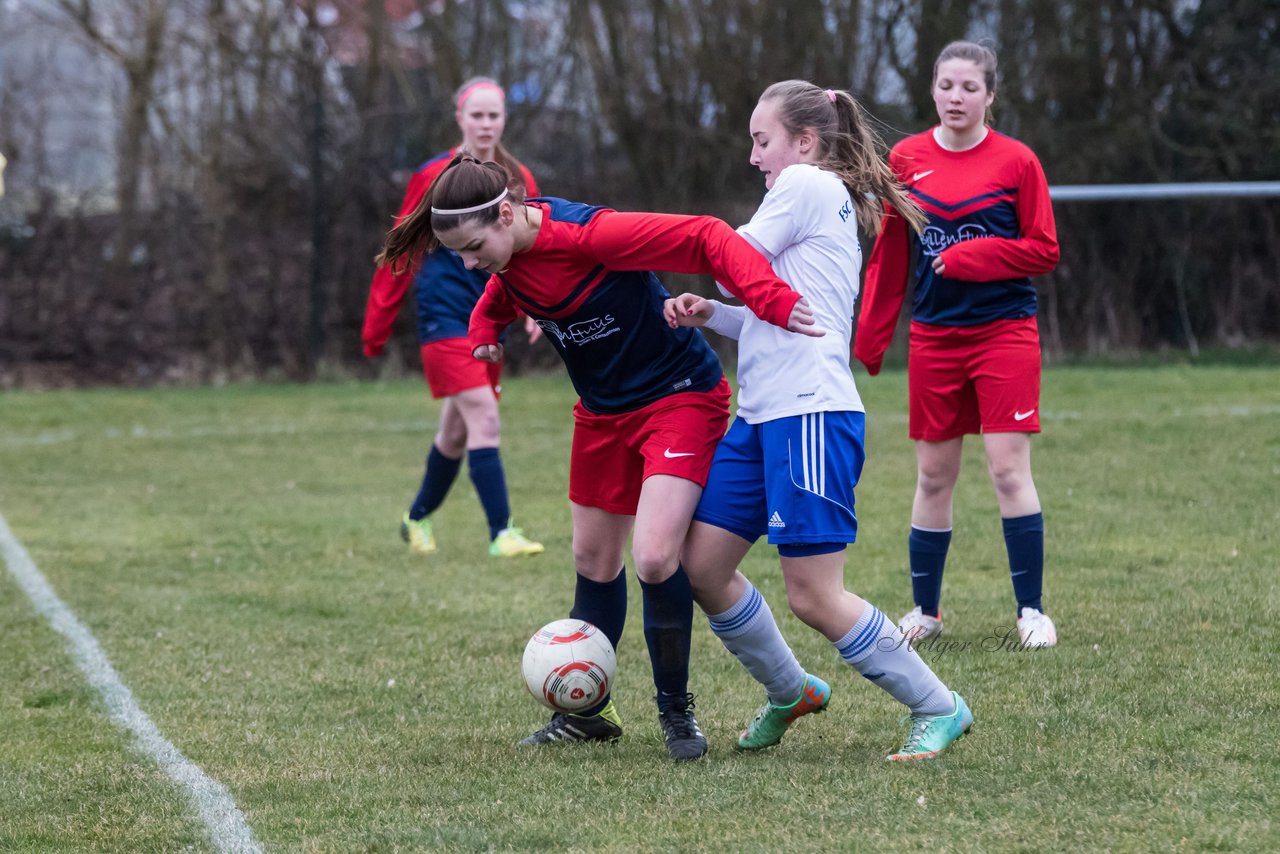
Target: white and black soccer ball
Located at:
point(569, 665)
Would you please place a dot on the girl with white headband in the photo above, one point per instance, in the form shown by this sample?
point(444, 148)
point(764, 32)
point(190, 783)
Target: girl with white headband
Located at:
point(789, 464)
point(445, 292)
point(654, 400)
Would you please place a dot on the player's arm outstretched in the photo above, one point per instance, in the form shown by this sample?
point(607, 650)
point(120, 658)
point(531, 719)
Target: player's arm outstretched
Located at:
point(693, 310)
point(701, 245)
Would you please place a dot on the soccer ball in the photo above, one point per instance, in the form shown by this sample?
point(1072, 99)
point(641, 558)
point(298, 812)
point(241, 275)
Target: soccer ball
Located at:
point(569, 665)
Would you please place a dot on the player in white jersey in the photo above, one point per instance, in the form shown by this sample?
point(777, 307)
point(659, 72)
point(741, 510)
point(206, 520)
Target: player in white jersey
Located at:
point(800, 426)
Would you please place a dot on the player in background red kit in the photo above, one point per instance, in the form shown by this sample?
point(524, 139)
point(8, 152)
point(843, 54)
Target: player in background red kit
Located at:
point(974, 359)
point(445, 292)
point(653, 400)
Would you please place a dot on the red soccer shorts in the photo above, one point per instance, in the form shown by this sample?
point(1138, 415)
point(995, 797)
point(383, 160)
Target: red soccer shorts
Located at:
point(613, 454)
point(974, 379)
point(450, 368)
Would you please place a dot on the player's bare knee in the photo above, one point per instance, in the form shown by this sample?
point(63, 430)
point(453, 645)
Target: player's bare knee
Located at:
point(704, 587)
point(1009, 481)
point(654, 562)
point(487, 428)
point(935, 480)
point(452, 442)
point(596, 567)
point(807, 604)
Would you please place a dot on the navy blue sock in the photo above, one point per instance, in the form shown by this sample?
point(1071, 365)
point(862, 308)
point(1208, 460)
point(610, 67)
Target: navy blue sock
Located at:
point(604, 605)
point(668, 626)
point(485, 465)
point(1024, 540)
point(436, 480)
point(928, 551)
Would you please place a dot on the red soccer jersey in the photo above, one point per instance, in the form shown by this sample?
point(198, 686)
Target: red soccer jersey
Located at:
point(587, 282)
point(991, 222)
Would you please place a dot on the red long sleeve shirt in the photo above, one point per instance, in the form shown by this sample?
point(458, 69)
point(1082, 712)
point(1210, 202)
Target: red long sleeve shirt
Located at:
point(586, 280)
point(989, 219)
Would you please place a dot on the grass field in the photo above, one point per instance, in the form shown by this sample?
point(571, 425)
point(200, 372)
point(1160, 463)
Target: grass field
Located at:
point(234, 552)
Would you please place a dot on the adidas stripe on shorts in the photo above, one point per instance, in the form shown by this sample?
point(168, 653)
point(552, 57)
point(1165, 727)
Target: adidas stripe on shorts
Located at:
point(808, 465)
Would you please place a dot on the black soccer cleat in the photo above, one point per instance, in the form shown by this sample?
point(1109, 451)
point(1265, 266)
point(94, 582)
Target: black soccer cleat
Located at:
point(605, 726)
point(685, 741)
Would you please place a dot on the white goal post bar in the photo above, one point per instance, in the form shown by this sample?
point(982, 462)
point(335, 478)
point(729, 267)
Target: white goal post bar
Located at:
point(1123, 192)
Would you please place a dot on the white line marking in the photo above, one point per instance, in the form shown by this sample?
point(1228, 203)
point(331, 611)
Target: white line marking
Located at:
point(212, 801)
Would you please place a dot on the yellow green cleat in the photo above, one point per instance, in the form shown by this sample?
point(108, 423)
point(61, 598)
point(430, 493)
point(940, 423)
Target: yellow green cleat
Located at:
point(417, 533)
point(511, 542)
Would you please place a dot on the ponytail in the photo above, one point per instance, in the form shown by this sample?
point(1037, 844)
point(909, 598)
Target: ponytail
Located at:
point(858, 156)
point(514, 168)
point(465, 183)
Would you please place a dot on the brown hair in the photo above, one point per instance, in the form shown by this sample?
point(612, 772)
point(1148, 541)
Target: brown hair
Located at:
point(464, 183)
point(848, 146)
point(500, 152)
point(980, 55)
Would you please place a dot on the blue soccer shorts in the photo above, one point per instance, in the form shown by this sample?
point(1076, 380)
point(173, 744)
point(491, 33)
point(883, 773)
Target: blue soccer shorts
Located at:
point(791, 478)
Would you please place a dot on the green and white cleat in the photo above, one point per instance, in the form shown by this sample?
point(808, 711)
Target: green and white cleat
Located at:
point(511, 542)
point(417, 533)
point(931, 734)
point(771, 722)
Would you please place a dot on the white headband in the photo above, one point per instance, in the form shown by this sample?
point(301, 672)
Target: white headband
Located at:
point(455, 211)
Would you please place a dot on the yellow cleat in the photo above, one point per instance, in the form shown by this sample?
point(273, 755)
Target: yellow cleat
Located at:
point(511, 542)
point(417, 533)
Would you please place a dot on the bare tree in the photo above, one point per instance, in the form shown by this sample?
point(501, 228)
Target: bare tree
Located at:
point(135, 36)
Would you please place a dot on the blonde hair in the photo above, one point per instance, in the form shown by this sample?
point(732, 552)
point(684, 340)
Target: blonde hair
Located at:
point(848, 147)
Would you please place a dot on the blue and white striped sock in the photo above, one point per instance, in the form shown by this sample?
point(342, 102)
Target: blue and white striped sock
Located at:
point(749, 631)
point(876, 649)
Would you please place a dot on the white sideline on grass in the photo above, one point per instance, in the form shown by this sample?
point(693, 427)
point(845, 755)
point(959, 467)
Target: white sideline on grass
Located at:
point(212, 801)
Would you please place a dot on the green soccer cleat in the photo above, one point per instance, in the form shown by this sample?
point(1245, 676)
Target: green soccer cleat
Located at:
point(931, 734)
point(417, 533)
point(771, 722)
point(511, 542)
point(605, 726)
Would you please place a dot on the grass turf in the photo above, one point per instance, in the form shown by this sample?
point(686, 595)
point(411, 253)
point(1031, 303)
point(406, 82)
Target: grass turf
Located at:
point(234, 550)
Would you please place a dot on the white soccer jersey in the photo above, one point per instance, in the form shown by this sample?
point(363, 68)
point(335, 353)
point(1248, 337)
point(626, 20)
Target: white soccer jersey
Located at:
point(809, 232)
